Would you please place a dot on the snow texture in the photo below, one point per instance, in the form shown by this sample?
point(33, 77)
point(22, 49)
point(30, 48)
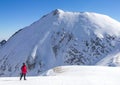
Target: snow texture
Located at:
point(71, 75)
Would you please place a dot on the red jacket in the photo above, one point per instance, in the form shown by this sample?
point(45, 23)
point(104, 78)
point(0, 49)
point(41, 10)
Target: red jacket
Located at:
point(24, 69)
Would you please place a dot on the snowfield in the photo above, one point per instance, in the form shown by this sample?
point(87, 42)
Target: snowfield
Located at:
point(71, 75)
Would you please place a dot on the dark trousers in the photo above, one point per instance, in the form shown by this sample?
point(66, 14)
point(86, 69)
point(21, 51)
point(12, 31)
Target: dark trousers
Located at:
point(23, 74)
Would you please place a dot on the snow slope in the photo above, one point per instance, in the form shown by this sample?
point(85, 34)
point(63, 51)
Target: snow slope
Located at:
point(112, 59)
point(71, 75)
point(60, 38)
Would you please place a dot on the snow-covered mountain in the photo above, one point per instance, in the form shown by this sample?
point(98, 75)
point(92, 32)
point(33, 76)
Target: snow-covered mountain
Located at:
point(62, 38)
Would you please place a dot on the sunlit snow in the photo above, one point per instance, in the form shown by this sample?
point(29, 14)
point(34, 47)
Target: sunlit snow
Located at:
point(71, 75)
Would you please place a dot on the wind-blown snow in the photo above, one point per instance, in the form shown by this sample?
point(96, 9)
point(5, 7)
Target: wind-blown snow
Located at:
point(71, 75)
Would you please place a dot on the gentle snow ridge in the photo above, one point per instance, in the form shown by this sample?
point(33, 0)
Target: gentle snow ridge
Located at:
point(82, 71)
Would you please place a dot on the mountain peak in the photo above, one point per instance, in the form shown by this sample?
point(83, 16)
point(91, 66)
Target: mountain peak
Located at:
point(57, 11)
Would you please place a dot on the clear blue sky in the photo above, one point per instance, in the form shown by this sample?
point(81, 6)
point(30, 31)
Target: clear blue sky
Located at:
point(16, 14)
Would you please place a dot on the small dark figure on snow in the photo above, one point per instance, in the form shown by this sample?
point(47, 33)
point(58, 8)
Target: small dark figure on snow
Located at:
point(23, 71)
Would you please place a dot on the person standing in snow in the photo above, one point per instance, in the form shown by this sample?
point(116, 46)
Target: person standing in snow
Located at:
point(23, 71)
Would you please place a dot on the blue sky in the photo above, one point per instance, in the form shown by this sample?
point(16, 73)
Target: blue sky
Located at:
point(17, 14)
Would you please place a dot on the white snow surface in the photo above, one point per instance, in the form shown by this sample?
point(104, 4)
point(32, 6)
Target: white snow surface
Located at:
point(52, 40)
point(71, 75)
